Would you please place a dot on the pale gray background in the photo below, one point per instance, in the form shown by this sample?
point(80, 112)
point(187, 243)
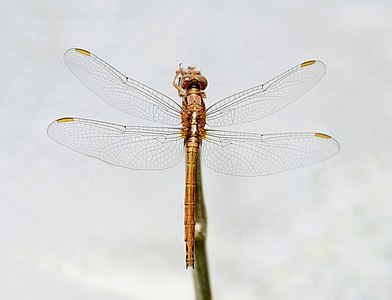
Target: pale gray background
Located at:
point(72, 227)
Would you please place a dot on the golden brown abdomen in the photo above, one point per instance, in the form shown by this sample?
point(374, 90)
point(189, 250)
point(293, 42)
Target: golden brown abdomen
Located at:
point(192, 149)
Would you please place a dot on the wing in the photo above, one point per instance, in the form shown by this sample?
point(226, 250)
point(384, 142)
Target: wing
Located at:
point(120, 91)
point(134, 147)
point(247, 154)
point(260, 101)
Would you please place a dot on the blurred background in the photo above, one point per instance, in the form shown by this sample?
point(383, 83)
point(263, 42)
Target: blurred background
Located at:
point(73, 227)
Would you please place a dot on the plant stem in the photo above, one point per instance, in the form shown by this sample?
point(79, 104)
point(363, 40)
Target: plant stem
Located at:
point(200, 273)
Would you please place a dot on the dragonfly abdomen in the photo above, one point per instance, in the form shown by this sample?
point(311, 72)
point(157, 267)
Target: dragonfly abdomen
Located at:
point(192, 148)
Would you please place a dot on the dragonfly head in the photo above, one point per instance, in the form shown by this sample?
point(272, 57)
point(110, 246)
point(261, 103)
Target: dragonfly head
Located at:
point(192, 78)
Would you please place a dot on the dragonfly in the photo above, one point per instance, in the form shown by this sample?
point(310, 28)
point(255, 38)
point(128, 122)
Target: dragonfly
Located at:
point(190, 131)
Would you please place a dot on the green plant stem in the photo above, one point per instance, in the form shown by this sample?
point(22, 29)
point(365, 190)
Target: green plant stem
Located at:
point(200, 274)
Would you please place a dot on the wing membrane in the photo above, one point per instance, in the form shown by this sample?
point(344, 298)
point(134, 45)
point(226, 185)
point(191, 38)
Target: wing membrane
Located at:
point(120, 91)
point(134, 147)
point(247, 154)
point(263, 100)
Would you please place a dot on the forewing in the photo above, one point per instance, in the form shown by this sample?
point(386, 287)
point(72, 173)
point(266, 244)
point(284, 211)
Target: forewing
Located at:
point(120, 91)
point(247, 154)
point(134, 147)
point(263, 100)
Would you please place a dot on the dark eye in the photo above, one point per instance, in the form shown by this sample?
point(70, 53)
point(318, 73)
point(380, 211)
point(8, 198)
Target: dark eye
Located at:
point(185, 80)
point(202, 81)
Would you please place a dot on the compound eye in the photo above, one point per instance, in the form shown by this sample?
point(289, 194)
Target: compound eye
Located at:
point(185, 80)
point(202, 81)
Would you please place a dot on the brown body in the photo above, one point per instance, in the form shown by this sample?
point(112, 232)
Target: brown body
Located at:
point(190, 86)
point(143, 148)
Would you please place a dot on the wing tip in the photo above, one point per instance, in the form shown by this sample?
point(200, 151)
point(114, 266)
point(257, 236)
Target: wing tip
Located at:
point(64, 120)
point(78, 50)
point(82, 51)
point(322, 135)
point(308, 63)
point(312, 62)
point(328, 137)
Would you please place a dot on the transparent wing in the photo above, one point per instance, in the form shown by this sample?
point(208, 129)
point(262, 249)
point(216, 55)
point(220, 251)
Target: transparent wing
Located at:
point(247, 154)
point(134, 147)
point(120, 91)
point(263, 100)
